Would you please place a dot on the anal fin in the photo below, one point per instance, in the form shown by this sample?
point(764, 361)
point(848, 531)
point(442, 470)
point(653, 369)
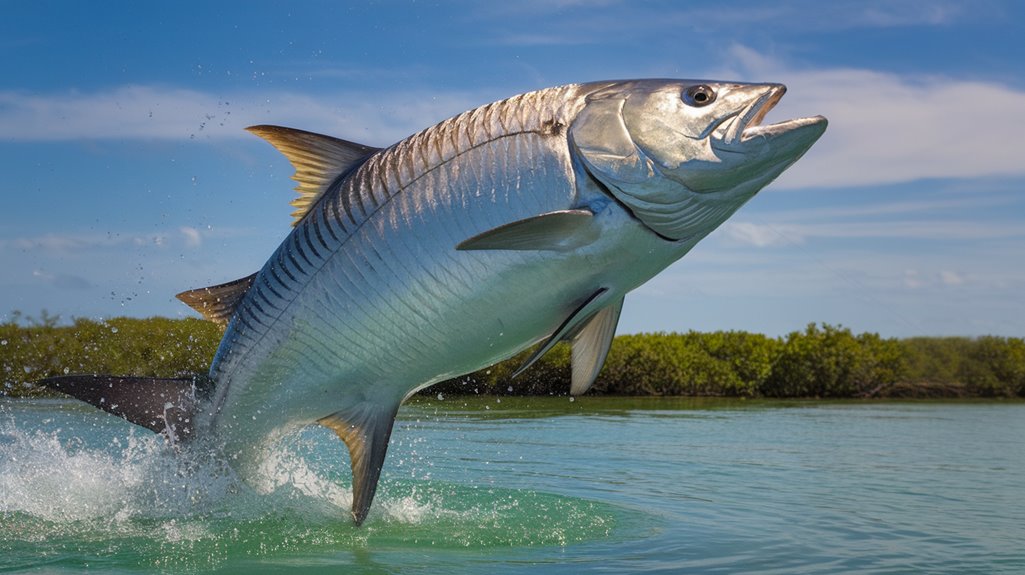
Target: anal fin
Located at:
point(162, 405)
point(365, 428)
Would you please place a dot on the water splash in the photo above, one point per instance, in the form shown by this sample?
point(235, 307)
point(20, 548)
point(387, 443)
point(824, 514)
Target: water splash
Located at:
point(72, 482)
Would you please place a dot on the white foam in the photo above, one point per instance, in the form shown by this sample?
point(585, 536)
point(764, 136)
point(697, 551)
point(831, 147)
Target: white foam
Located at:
point(139, 477)
point(45, 477)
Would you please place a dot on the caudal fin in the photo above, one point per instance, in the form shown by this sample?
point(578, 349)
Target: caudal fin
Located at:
point(163, 405)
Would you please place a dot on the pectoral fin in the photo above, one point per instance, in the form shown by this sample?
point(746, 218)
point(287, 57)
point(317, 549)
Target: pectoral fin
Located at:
point(365, 428)
point(591, 347)
point(560, 231)
point(569, 327)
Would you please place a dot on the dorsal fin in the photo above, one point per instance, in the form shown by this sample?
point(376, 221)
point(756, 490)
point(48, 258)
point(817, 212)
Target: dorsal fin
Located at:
point(217, 303)
point(318, 160)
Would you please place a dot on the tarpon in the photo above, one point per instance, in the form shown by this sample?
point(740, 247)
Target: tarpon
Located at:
point(522, 222)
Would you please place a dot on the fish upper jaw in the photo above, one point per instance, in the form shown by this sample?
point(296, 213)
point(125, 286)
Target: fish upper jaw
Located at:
point(737, 132)
point(734, 128)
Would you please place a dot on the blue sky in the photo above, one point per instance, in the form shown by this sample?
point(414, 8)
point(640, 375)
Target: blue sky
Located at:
point(128, 177)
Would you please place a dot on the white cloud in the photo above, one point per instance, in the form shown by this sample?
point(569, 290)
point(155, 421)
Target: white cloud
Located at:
point(912, 279)
point(165, 113)
point(761, 235)
point(62, 243)
point(88, 242)
point(193, 238)
point(595, 22)
point(884, 128)
point(943, 278)
point(951, 278)
point(765, 234)
point(917, 207)
point(893, 14)
point(125, 112)
point(62, 281)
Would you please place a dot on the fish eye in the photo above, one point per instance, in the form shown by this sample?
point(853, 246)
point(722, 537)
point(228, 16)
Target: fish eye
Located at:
point(700, 95)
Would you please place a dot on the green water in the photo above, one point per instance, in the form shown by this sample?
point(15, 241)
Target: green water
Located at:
point(543, 485)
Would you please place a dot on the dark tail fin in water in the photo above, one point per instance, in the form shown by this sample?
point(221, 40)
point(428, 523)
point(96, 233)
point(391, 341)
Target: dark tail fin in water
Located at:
point(163, 405)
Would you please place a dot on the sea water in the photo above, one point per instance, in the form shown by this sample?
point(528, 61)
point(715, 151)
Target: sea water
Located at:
point(540, 485)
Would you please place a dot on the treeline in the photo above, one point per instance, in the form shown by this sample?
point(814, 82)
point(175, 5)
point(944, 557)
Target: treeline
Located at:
point(821, 361)
point(157, 347)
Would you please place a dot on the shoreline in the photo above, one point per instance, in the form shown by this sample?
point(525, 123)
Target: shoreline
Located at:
point(822, 362)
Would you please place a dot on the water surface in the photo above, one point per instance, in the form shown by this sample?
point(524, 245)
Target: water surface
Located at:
point(487, 485)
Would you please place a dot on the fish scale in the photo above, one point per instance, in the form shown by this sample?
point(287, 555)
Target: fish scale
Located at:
point(393, 268)
point(518, 222)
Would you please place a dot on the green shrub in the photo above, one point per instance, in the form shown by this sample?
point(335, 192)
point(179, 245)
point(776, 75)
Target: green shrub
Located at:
point(156, 347)
point(824, 361)
point(832, 362)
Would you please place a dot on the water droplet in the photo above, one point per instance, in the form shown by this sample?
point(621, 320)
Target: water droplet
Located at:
point(440, 397)
point(3, 342)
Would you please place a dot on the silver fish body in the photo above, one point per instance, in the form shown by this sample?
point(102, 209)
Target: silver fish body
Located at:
point(522, 221)
point(374, 301)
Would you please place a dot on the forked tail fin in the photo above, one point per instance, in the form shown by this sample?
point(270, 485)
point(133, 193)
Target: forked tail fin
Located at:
point(163, 405)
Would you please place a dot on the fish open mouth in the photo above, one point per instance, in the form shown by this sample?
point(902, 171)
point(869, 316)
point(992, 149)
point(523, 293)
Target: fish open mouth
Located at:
point(746, 125)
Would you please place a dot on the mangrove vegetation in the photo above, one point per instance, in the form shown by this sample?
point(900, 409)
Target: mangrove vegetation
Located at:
point(822, 361)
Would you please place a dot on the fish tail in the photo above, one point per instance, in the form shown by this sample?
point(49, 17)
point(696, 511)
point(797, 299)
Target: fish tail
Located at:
point(163, 405)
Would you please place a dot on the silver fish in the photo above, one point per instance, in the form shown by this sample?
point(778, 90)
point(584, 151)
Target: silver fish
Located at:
point(520, 222)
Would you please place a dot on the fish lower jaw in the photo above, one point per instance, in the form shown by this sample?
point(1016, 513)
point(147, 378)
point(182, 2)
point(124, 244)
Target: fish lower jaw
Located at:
point(771, 130)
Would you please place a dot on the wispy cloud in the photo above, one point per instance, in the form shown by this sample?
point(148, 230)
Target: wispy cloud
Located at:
point(65, 243)
point(920, 207)
point(193, 237)
point(951, 278)
point(166, 113)
point(765, 234)
point(63, 281)
point(596, 22)
point(888, 128)
point(914, 13)
point(91, 242)
point(761, 235)
point(884, 128)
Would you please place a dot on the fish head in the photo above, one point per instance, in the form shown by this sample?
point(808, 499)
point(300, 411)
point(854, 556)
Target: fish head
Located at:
point(683, 155)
